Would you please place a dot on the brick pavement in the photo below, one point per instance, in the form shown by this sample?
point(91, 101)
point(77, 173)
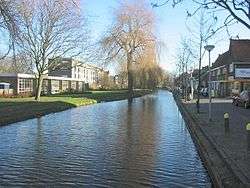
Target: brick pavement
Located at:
point(232, 144)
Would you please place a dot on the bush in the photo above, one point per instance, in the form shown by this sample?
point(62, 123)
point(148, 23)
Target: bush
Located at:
point(20, 95)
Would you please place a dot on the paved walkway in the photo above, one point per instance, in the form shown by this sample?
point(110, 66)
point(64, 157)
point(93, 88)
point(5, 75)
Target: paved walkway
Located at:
point(233, 144)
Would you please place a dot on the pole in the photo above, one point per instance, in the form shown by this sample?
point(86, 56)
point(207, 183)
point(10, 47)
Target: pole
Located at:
point(226, 122)
point(248, 136)
point(192, 87)
point(209, 89)
point(199, 82)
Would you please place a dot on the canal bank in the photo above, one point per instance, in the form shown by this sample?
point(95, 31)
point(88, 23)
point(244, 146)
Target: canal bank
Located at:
point(223, 168)
point(13, 110)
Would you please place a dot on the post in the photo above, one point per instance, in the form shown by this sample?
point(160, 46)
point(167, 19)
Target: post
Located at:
point(209, 89)
point(199, 81)
point(192, 87)
point(248, 136)
point(209, 48)
point(226, 123)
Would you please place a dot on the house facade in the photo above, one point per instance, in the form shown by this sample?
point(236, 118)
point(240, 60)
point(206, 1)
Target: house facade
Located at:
point(230, 73)
point(69, 76)
point(25, 84)
point(72, 68)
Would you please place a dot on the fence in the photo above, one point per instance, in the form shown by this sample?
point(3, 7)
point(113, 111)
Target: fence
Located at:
point(4, 92)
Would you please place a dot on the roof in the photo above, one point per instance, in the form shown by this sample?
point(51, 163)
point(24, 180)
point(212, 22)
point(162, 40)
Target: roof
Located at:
point(239, 51)
point(204, 70)
point(4, 83)
point(223, 59)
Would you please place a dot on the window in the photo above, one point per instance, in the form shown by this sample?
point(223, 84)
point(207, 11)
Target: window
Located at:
point(73, 85)
point(237, 85)
point(55, 86)
point(25, 85)
point(65, 85)
point(218, 72)
point(45, 86)
point(224, 70)
point(214, 72)
point(92, 76)
point(231, 68)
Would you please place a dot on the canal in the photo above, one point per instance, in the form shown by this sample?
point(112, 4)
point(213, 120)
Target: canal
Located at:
point(144, 144)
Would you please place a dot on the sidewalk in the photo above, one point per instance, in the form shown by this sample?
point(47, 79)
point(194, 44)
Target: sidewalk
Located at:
point(232, 145)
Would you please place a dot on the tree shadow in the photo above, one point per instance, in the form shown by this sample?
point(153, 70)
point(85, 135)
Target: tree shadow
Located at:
point(12, 112)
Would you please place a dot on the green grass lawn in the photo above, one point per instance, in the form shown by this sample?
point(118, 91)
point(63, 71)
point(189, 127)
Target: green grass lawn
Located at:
point(105, 96)
point(18, 109)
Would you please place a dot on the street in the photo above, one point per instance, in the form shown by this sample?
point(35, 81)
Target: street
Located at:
point(232, 144)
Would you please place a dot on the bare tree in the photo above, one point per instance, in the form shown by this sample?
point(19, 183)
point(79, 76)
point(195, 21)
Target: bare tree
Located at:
point(129, 36)
point(237, 10)
point(205, 24)
point(202, 28)
point(50, 29)
point(21, 65)
point(184, 61)
point(121, 79)
point(8, 24)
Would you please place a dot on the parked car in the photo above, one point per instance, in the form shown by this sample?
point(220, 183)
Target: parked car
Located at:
point(204, 92)
point(243, 99)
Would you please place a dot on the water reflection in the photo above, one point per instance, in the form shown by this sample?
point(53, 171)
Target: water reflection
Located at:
point(116, 144)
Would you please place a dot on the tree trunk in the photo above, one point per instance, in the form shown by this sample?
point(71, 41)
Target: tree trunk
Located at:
point(199, 81)
point(14, 56)
point(39, 87)
point(130, 77)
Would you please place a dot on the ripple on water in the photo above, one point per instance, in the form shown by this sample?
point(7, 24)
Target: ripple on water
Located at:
point(145, 144)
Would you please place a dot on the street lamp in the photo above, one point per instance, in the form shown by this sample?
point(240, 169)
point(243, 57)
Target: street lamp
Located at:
point(209, 48)
point(191, 84)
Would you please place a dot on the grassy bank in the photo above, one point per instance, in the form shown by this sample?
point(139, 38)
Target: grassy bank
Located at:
point(106, 96)
point(18, 109)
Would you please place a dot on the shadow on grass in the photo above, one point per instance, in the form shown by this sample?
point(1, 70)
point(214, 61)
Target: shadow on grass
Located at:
point(11, 112)
point(14, 110)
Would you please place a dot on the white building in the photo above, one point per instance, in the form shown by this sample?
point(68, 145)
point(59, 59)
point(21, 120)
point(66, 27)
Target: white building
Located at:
point(68, 75)
point(71, 68)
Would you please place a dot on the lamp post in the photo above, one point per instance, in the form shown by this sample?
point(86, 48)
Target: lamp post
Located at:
point(209, 48)
point(191, 82)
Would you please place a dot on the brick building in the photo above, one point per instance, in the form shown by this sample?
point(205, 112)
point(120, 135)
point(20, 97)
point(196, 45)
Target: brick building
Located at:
point(231, 70)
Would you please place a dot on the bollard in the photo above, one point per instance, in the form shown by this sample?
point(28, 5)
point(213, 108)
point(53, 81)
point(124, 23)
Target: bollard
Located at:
point(198, 106)
point(248, 136)
point(226, 122)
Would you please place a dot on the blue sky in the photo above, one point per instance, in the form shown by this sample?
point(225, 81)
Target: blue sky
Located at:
point(170, 28)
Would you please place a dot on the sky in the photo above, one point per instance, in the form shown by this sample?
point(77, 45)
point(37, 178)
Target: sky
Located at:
point(170, 28)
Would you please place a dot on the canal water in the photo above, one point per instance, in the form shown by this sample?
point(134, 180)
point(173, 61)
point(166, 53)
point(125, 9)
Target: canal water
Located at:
point(144, 144)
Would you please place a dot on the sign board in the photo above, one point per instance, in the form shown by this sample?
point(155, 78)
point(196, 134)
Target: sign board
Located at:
point(242, 72)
